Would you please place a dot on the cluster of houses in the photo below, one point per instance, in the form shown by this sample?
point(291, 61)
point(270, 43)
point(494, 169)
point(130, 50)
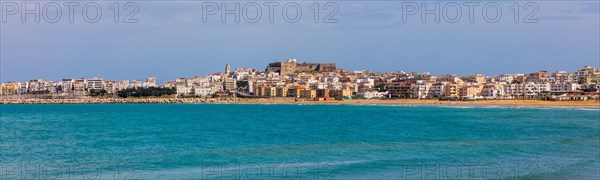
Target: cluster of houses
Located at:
point(70, 87)
point(325, 81)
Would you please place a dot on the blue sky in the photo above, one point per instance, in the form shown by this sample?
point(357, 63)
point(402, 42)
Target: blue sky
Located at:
point(171, 41)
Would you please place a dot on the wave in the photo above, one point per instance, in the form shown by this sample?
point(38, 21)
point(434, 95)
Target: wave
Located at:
point(457, 106)
point(227, 170)
point(503, 107)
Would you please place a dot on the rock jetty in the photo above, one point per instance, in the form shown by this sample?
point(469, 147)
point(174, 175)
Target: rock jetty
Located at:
point(121, 101)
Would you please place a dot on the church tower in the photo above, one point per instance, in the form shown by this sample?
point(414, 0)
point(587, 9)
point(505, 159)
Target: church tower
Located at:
point(227, 70)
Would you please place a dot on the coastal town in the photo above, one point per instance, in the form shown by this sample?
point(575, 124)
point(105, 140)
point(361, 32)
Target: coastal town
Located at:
point(322, 82)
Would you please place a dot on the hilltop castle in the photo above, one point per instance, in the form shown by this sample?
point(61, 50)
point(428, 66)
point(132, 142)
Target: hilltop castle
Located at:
point(291, 66)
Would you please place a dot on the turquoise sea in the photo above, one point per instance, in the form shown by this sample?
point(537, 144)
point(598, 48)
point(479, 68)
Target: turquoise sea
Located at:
point(235, 141)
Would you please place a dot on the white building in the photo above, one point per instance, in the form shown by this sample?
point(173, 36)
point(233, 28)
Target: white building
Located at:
point(243, 73)
point(436, 90)
point(135, 83)
point(533, 89)
point(420, 90)
point(564, 87)
point(150, 82)
point(95, 84)
point(22, 87)
point(184, 90)
point(203, 91)
point(110, 86)
point(528, 89)
point(371, 94)
point(123, 84)
point(67, 85)
point(492, 92)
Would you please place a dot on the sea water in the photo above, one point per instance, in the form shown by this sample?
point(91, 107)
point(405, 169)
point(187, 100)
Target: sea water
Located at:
point(235, 141)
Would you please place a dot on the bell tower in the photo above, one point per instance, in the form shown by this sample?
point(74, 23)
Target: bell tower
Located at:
point(227, 70)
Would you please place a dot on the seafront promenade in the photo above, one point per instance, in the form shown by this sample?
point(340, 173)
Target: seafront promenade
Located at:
point(515, 102)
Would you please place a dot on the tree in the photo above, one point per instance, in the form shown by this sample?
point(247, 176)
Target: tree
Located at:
point(97, 92)
point(381, 88)
point(241, 83)
point(145, 92)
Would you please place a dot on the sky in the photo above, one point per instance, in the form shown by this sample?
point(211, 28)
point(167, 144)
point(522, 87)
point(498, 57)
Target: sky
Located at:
point(172, 40)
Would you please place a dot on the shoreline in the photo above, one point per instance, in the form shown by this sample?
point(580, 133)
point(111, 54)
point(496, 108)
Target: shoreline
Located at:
point(432, 102)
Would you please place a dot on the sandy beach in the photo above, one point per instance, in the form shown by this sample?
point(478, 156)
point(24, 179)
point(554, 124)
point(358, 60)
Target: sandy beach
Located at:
point(300, 101)
point(434, 102)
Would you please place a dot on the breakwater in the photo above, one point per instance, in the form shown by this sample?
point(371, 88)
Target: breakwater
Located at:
point(120, 101)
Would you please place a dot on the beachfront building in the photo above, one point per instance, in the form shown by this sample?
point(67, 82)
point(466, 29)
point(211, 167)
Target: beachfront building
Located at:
point(371, 94)
point(9, 88)
point(67, 85)
point(421, 89)
point(493, 91)
point(470, 92)
point(436, 90)
point(561, 87)
point(169, 84)
point(260, 90)
point(295, 91)
point(123, 84)
point(229, 84)
point(308, 94)
point(576, 97)
point(451, 91)
point(110, 86)
point(400, 89)
point(184, 90)
point(271, 91)
point(203, 91)
point(282, 92)
point(150, 82)
point(531, 90)
point(22, 87)
point(342, 93)
point(136, 83)
point(94, 84)
point(322, 93)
